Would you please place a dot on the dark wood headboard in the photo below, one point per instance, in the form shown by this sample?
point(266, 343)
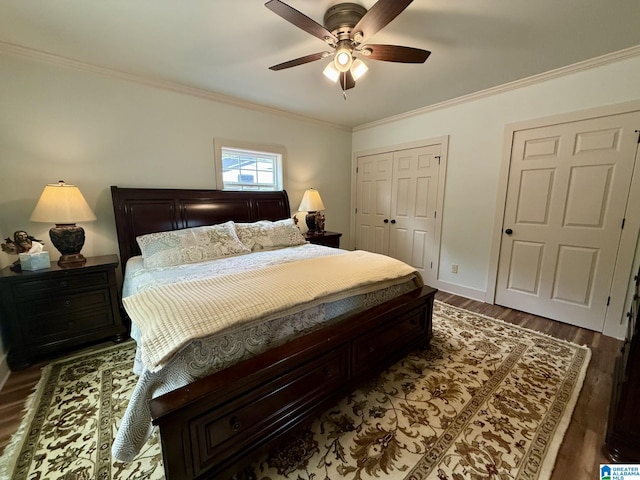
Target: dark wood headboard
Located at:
point(139, 211)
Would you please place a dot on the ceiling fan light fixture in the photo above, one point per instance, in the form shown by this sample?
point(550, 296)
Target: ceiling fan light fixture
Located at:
point(331, 72)
point(343, 59)
point(358, 69)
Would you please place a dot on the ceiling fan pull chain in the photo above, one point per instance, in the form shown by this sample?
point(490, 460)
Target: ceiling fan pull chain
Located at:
point(344, 92)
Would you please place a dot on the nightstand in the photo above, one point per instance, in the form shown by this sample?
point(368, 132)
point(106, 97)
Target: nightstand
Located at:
point(45, 312)
point(328, 239)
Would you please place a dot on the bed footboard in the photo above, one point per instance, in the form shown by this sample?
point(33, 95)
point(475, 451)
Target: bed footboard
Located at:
point(217, 425)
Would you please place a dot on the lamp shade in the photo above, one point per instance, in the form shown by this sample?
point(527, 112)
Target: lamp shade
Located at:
point(343, 58)
point(311, 201)
point(331, 72)
point(358, 69)
point(62, 204)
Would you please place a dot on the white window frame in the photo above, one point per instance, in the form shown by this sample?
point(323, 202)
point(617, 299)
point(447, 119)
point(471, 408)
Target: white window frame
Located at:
point(250, 148)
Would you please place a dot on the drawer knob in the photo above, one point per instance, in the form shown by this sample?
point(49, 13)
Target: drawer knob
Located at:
point(235, 423)
point(63, 283)
point(327, 372)
point(67, 303)
point(372, 348)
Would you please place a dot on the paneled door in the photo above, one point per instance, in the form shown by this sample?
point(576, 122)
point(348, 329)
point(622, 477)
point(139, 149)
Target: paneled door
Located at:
point(566, 199)
point(373, 202)
point(396, 197)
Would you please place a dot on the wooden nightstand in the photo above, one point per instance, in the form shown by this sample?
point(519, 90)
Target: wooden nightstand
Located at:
point(48, 311)
point(328, 239)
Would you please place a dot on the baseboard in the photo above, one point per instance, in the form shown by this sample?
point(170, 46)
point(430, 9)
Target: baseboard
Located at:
point(4, 370)
point(461, 290)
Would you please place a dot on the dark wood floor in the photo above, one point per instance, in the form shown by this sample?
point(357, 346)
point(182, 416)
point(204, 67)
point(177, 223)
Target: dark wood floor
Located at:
point(580, 454)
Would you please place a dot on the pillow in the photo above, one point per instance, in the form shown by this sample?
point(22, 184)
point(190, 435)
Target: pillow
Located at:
point(191, 245)
point(266, 235)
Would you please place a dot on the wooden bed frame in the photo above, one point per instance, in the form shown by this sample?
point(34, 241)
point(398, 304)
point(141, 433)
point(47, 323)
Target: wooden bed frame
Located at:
point(215, 426)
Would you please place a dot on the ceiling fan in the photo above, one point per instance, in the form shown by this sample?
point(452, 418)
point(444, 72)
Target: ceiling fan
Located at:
point(347, 27)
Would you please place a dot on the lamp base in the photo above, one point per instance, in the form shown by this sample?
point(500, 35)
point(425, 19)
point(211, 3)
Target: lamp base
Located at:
point(71, 261)
point(69, 240)
point(310, 220)
point(315, 223)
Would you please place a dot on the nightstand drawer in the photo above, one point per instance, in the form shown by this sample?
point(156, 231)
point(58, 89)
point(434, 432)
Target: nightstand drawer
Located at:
point(63, 327)
point(64, 304)
point(68, 283)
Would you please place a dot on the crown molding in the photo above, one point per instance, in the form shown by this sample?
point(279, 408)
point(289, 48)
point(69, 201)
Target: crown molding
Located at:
point(155, 82)
point(525, 82)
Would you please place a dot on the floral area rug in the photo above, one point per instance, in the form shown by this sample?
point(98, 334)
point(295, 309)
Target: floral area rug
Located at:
point(488, 400)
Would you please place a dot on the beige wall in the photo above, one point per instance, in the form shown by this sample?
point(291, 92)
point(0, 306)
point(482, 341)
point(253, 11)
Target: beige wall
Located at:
point(96, 131)
point(476, 131)
point(58, 123)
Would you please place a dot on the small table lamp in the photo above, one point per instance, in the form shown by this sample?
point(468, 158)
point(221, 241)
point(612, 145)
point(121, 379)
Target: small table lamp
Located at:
point(64, 205)
point(312, 204)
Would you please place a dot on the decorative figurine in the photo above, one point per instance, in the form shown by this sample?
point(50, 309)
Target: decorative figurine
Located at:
point(22, 243)
point(320, 222)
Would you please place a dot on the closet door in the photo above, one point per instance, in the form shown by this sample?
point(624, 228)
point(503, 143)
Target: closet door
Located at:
point(566, 200)
point(414, 197)
point(396, 198)
point(373, 202)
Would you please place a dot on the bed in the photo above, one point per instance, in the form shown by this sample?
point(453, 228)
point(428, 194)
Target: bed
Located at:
point(212, 426)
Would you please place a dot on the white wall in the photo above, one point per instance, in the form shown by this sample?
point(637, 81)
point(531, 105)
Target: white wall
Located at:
point(57, 123)
point(60, 123)
point(476, 134)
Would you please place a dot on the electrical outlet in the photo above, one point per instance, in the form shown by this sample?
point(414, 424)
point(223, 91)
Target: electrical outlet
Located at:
point(454, 268)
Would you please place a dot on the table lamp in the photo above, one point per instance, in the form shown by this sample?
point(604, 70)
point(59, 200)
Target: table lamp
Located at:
point(312, 204)
point(64, 205)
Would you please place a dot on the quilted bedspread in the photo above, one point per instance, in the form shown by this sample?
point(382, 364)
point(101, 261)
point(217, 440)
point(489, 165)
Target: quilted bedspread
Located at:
point(170, 316)
point(213, 353)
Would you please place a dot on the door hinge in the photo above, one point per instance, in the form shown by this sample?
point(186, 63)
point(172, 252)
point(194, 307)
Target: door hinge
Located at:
point(356, 210)
point(435, 214)
point(608, 301)
point(431, 264)
point(357, 169)
point(638, 132)
point(622, 226)
point(438, 157)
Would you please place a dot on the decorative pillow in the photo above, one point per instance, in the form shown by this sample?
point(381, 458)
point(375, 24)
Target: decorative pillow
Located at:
point(190, 245)
point(266, 235)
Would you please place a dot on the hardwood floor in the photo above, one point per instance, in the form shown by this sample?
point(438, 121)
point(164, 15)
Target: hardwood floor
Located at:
point(580, 455)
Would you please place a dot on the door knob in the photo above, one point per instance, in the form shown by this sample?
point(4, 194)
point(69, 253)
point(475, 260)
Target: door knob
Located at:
point(508, 231)
point(393, 221)
point(386, 220)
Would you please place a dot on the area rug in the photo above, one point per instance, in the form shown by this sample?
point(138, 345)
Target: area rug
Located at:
point(488, 400)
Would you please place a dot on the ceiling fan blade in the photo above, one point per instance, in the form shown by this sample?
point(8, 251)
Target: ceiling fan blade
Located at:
point(396, 53)
point(300, 61)
point(299, 19)
point(382, 12)
point(346, 80)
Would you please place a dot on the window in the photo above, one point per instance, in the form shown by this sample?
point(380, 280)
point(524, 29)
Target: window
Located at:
point(243, 166)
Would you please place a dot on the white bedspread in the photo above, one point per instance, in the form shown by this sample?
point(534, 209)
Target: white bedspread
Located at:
point(170, 316)
point(202, 357)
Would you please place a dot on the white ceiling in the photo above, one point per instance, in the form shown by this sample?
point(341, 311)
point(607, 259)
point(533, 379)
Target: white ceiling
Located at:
point(226, 46)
